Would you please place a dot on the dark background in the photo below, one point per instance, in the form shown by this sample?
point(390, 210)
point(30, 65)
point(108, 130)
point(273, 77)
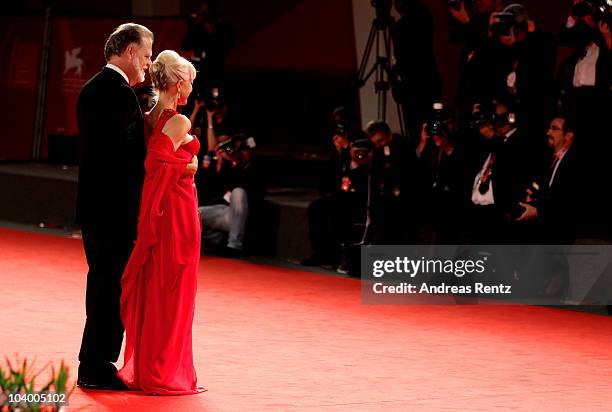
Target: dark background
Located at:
point(293, 62)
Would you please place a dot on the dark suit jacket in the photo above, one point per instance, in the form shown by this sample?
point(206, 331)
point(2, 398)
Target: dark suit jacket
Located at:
point(512, 173)
point(112, 153)
point(412, 37)
point(559, 210)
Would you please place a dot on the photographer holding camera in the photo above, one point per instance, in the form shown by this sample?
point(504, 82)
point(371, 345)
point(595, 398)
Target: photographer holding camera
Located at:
point(211, 39)
point(585, 77)
point(442, 168)
point(420, 82)
point(469, 25)
point(234, 184)
point(502, 176)
point(522, 64)
point(338, 217)
point(554, 202)
point(393, 209)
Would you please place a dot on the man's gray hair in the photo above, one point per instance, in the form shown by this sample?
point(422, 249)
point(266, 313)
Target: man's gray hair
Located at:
point(123, 36)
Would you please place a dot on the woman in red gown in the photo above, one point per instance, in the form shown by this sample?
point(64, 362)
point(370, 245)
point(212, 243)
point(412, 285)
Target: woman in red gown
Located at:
point(159, 283)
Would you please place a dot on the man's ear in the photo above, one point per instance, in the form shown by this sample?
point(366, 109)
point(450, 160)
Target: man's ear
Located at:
point(569, 136)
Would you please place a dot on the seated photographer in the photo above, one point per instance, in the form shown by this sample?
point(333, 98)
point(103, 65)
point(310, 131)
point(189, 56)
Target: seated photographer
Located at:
point(554, 201)
point(393, 208)
point(234, 188)
point(442, 168)
point(501, 178)
point(333, 220)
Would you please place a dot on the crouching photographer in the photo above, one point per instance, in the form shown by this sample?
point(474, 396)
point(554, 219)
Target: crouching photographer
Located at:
point(231, 177)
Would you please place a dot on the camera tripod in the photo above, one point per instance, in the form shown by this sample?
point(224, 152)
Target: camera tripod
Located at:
point(384, 77)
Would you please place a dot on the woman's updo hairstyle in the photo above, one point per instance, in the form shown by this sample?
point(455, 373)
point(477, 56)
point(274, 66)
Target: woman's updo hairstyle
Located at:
point(168, 68)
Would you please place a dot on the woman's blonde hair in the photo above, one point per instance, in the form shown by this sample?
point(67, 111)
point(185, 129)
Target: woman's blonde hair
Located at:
point(168, 68)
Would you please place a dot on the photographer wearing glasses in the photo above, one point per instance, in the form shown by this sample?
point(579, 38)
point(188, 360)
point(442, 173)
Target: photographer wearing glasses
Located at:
point(231, 176)
point(554, 202)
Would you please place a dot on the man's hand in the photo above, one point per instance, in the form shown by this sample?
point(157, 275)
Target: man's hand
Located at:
point(192, 167)
point(487, 131)
point(530, 213)
point(340, 142)
point(461, 14)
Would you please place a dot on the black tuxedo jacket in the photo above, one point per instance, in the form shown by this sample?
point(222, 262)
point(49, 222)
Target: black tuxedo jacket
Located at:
point(512, 173)
point(112, 153)
point(560, 209)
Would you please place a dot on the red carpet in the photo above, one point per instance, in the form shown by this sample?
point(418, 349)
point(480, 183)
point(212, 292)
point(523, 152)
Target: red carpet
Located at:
point(268, 338)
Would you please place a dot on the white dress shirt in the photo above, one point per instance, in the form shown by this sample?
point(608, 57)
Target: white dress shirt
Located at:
point(118, 70)
point(585, 73)
point(487, 198)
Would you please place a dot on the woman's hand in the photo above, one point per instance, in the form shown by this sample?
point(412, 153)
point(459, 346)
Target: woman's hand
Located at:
point(192, 167)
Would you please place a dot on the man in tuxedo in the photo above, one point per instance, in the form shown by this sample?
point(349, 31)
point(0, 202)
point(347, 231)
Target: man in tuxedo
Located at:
point(111, 174)
point(558, 210)
point(501, 179)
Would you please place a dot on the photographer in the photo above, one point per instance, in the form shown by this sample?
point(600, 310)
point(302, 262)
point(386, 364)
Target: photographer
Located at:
point(340, 218)
point(210, 117)
point(555, 204)
point(419, 79)
point(501, 178)
point(469, 25)
point(442, 172)
point(585, 77)
point(211, 39)
point(522, 64)
point(393, 209)
point(232, 179)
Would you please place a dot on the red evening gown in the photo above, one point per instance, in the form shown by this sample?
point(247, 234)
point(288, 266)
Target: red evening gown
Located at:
point(159, 283)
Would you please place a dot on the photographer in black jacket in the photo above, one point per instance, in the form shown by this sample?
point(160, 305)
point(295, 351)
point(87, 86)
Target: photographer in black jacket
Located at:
point(393, 206)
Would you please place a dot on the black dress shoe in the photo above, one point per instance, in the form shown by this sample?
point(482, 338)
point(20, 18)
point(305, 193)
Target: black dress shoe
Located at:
point(111, 383)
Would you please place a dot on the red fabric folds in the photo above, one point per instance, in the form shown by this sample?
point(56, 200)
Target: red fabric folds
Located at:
point(159, 283)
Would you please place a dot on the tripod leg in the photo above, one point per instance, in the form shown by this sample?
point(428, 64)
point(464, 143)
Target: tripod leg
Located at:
point(366, 55)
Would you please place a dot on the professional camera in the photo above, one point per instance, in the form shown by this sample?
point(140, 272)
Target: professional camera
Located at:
point(503, 24)
point(595, 8)
point(438, 123)
point(243, 141)
point(383, 9)
point(361, 151)
point(228, 147)
point(341, 129)
point(212, 99)
point(483, 115)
